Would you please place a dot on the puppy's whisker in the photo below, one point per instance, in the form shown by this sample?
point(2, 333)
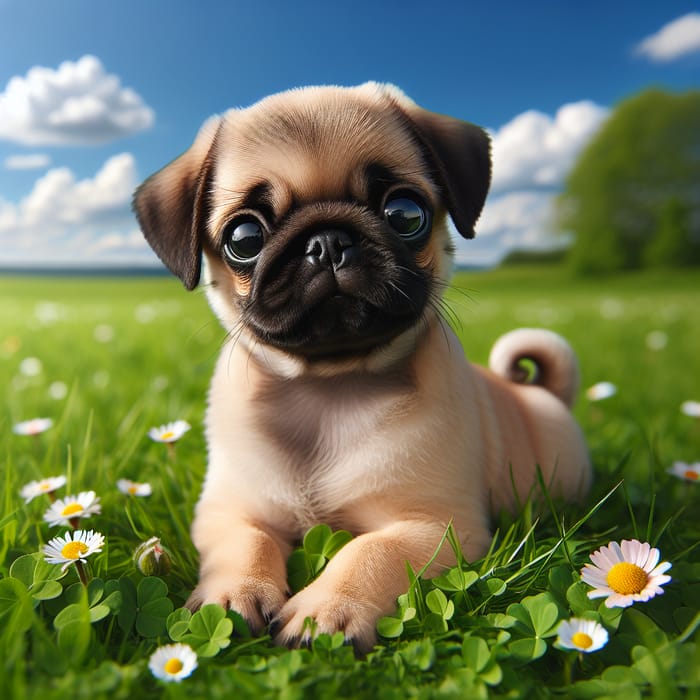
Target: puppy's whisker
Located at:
point(436, 305)
point(448, 313)
point(463, 293)
point(233, 336)
point(445, 335)
point(442, 312)
point(396, 287)
point(231, 340)
point(462, 302)
point(403, 268)
point(253, 345)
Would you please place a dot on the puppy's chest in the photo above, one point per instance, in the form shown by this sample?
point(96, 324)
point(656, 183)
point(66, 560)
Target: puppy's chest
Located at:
point(319, 423)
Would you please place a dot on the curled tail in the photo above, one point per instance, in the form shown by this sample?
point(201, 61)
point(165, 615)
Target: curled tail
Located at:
point(555, 364)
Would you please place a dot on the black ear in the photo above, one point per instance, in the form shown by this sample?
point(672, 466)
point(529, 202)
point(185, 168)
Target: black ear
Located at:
point(461, 155)
point(171, 207)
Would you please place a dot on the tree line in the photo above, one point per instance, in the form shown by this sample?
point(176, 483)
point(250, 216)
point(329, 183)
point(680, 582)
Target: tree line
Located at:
point(632, 200)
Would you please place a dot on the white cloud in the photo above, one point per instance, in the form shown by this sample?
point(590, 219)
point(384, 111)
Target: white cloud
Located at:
point(77, 104)
point(528, 212)
point(59, 200)
point(67, 221)
point(28, 161)
point(521, 219)
point(535, 150)
point(532, 154)
point(675, 39)
point(120, 243)
point(71, 222)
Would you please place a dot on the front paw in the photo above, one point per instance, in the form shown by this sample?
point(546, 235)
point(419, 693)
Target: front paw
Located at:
point(332, 610)
point(257, 600)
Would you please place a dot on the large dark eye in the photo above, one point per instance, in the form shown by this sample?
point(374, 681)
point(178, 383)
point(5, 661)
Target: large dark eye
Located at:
point(408, 218)
point(243, 241)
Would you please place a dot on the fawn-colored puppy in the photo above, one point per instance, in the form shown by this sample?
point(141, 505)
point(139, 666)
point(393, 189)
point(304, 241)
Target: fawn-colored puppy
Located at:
point(341, 395)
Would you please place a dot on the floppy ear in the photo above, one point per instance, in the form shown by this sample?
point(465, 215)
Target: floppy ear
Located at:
point(171, 207)
point(461, 154)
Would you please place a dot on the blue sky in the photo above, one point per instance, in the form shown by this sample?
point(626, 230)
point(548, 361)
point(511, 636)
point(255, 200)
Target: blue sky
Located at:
point(94, 96)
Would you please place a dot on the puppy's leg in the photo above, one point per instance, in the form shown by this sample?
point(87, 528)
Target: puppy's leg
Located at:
point(242, 566)
point(361, 583)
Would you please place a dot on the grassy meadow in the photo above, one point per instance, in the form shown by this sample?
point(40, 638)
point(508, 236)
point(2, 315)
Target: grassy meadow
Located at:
point(107, 359)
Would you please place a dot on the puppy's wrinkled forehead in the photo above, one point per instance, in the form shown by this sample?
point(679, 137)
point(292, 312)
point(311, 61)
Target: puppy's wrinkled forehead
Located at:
point(315, 145)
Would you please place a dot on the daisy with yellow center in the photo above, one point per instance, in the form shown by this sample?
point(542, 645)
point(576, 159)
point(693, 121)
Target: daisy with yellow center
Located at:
point(625, 573)
point(172, 662)
point(36, 488)
point(691, 408)
point(69, 510)
point(73, 547)
point(32, 427)
point(134, 488)
point(170, 432)
point(600, 391)
point(582, 635)
point(685, 471)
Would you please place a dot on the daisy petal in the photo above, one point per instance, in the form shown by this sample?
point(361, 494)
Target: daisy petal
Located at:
point(664, 566)
point(598, 593)
point(652, 559)
point(625, 573)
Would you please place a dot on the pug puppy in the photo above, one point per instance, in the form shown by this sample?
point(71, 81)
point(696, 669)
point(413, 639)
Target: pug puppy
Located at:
point(341, 394)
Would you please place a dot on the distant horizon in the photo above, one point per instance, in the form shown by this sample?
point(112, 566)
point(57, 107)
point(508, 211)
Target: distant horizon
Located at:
point(86, 270)
point(125, 270)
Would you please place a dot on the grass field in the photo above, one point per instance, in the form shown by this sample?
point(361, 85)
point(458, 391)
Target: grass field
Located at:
point(109, 359)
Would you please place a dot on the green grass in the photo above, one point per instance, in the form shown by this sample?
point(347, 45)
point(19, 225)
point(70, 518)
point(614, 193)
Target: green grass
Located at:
point(492, 637)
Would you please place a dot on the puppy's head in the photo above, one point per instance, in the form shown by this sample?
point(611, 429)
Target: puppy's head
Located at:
point(321, 215)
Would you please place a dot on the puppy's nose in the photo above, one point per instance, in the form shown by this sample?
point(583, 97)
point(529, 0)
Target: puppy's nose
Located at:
point(331, 249)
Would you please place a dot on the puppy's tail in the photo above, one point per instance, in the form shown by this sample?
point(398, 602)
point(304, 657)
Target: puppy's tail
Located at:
point(537, 356)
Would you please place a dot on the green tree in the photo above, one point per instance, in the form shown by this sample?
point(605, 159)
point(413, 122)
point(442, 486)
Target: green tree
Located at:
point(674, 244)
point(633, 197)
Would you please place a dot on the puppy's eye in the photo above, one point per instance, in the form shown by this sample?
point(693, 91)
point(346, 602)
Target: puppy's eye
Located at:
point(408, 218)
point(243, 241)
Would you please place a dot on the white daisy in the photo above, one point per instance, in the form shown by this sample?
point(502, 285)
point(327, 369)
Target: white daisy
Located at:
point(170, 432)
point(37, 488)
point(104, 333)
point(32, 427)
point(685, 471)
point(101, 379)
point(64, 511)
point(73, 547)
point(625, 573)
point(145, 313)
point(582, 635)
point(691, 408)
point(31, 367)
point(600, 391)
point(58, 390)
point(172, 662)
point(656, 340)
point(134, 488)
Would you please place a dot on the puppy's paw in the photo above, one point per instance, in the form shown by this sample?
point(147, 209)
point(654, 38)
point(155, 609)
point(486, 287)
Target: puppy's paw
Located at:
point(332, 611)
point(257, 600)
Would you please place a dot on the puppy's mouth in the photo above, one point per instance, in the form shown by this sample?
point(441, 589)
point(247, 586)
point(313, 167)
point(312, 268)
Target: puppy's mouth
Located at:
point(339, 297)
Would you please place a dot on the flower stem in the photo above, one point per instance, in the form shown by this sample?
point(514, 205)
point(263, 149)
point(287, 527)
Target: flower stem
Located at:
point(175, 691)
point(82, 574)
point(568, 670)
